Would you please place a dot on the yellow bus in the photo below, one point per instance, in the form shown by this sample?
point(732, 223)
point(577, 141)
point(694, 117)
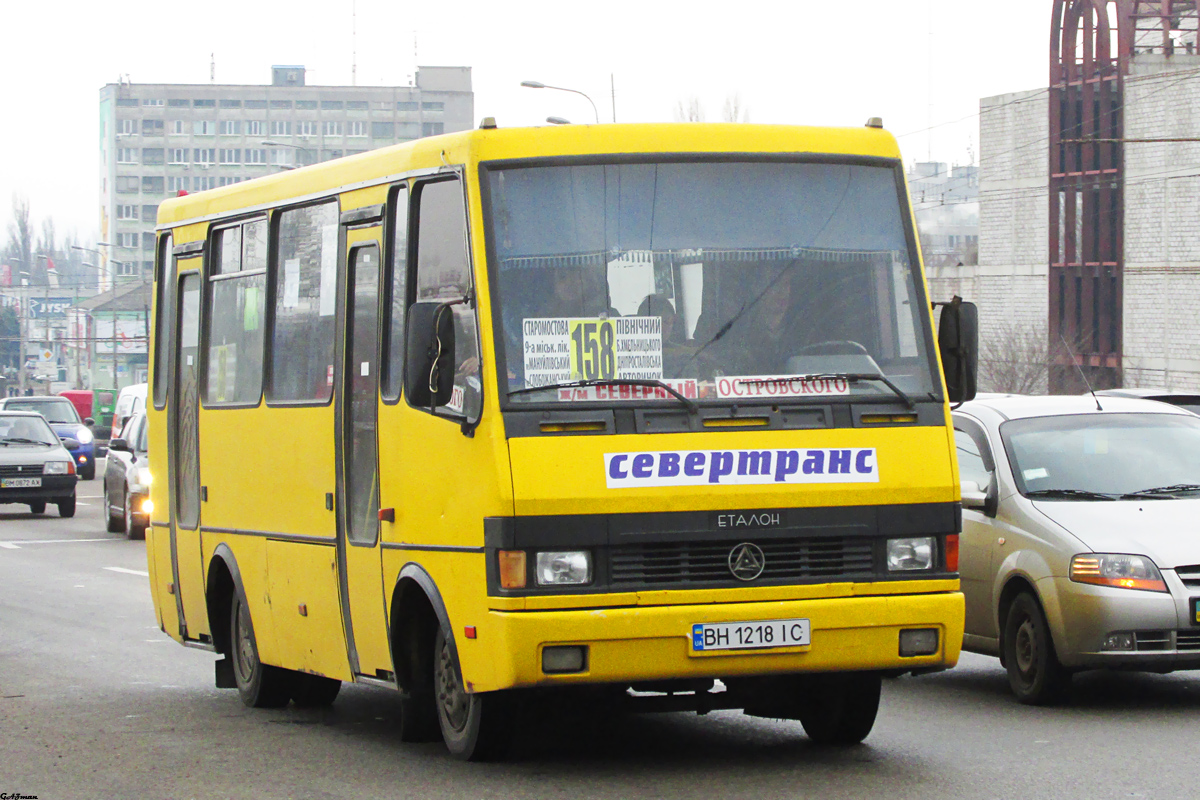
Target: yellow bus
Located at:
point(652, 409)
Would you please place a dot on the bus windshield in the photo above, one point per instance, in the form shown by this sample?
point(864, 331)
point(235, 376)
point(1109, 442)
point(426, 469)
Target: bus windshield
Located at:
point(728, 281)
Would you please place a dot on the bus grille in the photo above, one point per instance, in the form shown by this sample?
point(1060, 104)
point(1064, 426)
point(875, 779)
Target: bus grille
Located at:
point(18, 470)
point(799, 559)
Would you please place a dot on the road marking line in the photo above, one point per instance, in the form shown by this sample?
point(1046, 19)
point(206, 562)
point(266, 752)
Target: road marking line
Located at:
point(128, 571)
point(10, 546)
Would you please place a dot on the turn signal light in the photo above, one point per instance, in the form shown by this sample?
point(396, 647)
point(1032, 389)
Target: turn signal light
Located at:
point(1117, 570)
point(512, 569)
point(952, 553)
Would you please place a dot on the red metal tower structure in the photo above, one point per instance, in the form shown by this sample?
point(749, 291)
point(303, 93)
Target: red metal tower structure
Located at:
point(1092, 43)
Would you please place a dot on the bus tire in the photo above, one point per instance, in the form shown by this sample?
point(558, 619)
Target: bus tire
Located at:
point(259, 685)
point(840, 709)
point(475, 726)
point(314, 691)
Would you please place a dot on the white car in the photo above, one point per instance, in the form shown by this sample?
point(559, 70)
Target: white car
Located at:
point(1080, 546)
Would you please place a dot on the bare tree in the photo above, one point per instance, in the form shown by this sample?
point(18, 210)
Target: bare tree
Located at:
point(1014, 358)
point(734, 111)
point(20, 235)
point(689, 110)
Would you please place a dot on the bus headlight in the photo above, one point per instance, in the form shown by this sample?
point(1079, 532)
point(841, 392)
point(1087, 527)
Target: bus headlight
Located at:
point(570, 568)
point(911, 553)
point(144, 477)
point(83, 436)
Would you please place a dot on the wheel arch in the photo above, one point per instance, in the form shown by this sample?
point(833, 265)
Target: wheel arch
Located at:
point(224, 579)
point(415, 613)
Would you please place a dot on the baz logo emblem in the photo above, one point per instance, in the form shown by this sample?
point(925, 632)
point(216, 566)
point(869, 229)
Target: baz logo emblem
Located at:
point(746, 561)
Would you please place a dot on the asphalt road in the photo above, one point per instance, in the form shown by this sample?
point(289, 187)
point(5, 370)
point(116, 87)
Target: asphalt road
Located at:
point(95, 702)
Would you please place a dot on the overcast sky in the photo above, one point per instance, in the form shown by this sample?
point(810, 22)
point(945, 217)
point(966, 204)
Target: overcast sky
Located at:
point(912, 62)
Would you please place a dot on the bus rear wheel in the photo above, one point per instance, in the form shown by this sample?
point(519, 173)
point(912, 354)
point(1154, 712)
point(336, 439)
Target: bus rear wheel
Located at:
point(259, 685)
point(840, 709)
point(475, 726)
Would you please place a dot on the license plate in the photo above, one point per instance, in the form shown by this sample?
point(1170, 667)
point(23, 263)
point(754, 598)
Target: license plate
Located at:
point(20, 483)
point(749, 635)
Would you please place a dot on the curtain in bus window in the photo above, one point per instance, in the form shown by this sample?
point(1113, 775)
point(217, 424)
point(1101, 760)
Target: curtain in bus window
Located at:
point(305, 304)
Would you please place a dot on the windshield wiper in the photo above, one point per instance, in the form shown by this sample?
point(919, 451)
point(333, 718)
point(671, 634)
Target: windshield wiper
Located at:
point(1164, 490)
point(851, 377)
point(689, 404)
point(19, 440)
point(1067, 494)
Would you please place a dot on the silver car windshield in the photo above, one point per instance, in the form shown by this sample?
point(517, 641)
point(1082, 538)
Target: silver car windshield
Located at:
point(1106, 454)
point(21, 429)
point(57, 410)
point(724, 280)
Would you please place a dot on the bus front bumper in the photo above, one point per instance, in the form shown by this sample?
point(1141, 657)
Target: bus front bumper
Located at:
point(653, 643)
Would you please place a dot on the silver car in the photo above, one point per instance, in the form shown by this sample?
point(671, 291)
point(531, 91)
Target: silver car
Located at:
point(1080, 546)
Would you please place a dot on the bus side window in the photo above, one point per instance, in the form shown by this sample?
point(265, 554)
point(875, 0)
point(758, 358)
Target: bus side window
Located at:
point(444, 273)
point(397, 317)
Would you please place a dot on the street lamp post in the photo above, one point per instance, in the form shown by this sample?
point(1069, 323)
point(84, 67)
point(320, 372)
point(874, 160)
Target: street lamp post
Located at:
point(540, 85)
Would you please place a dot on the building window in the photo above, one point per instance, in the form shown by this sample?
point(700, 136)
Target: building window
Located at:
point(177, 184)
point(203, 183)
point(255, 104)
point(228, 180)
point(127, 212)
point(302, 345)
point(126, 127)
point(204, 155)
point(231, 127)
point(236, 311)
point(281, 104)
point(153, 184)
point(204, 127)
point(231, 104)
point(255, 156)
point(281, 127)
point(407, 130)
point(129, 240)
point(381, 105)
point(357, 129)
point(281, 157)
point(433, 106)
point(126, 184)
point(149, 213)
point(306, 104)
point(153, 102)
point(204, 104)
point(177, 155)
point(175, 102)
point(329, 155)
point(126, 268)
point(152, 127)
point(333, 128)
point(383, 130)
point(406, 105)
point(306, 128)
point(331, 105)
point(356, 105)
point(126, 155)
point(127, 102)
point(177, 128)
point(306, 156)
point(147, 240)
point(255, 127)
point(152, 156)
point(231, 156)
point(354, 152)
point(432, 128)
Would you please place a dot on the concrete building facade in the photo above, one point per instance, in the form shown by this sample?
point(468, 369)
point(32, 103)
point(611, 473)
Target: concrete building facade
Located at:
point(157, 140)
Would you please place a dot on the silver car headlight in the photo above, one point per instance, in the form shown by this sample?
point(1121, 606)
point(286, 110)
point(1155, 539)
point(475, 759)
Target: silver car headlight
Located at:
point(911, 553)
point(84, 436)
point(559, 568)
point(1117, 570)
point(144, 478)
point(56, 468)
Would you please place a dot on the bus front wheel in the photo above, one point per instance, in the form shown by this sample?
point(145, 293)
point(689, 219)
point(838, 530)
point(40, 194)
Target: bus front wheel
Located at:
point(840, 709)
point(259, 685)
point(475, 726)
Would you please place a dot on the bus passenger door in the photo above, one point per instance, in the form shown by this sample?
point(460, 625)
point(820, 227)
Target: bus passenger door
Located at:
point(184, 454)
point(361, 569)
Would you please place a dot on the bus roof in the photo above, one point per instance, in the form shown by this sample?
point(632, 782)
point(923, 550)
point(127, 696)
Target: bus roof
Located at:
point(388, 164)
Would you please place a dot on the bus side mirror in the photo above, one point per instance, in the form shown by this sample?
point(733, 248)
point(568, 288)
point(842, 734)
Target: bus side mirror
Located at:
point(429, 360)
point(958, 343)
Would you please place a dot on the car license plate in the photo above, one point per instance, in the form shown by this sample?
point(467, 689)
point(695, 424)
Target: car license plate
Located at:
point(749, 635)
point(20, 483)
